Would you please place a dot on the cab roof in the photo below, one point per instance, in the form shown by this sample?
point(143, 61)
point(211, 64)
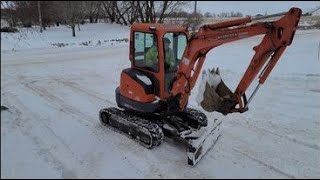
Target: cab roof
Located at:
point(146, 27)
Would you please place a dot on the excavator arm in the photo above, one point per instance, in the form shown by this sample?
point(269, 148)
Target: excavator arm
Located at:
point(277, 36)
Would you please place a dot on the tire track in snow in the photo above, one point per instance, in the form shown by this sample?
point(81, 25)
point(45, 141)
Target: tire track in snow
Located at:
point(35, 117)
point(23, 114)
point(283, 162)
point(60, 105)
point(265, 164)
point(77, 88)
point(258, 129)
point(91, 93)
point(59, 57)
point(303, 143)
point(72, 85)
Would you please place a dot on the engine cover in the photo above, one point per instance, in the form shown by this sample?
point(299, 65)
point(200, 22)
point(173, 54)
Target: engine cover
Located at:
point(136, 86)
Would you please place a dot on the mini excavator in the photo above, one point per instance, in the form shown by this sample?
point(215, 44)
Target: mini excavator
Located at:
point(152, 98)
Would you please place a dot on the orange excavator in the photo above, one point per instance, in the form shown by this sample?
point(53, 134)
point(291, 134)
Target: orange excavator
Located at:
point(153, 94)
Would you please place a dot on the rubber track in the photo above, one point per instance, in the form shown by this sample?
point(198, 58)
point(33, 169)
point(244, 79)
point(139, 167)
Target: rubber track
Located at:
point(154, 131)
point(190, 115)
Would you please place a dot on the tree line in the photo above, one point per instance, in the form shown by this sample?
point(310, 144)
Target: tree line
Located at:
point(74, 13)
point(224, 14)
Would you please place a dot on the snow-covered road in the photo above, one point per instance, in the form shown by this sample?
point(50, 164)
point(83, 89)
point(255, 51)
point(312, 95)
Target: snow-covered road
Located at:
point(51, 129)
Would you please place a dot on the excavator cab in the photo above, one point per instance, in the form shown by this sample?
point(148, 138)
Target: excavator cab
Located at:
point(158, 50)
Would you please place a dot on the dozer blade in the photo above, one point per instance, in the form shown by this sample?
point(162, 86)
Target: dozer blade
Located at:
point(204, 141)
point(213, 93)
point(198, 139)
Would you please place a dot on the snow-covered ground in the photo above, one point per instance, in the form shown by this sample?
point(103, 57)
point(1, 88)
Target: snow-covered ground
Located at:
point(52, 130)
point(90, 35)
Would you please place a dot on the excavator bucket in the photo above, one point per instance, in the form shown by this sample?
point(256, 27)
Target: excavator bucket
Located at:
point(213, 93)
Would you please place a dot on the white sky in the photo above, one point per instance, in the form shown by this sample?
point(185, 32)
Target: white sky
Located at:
point(252, 7)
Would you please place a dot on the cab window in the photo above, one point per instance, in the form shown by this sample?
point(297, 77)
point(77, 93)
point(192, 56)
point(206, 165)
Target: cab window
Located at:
point(146, 51)
point(174, 46)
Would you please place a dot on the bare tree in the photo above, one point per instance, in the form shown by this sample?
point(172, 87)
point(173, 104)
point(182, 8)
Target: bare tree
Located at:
point(49, 13)
point(166, 8)
point(127, 12)
point(72, 12)
point(146, 10)
point(26, 12)
point(109, 8)
point(8, 12)
point(39, 10)
point(121, 12)
point(149, 9)
point(98, 13)
point(121, 9)
point(29, 13)
point(207, 14)
point(92, 9)
point(132, 14)
point(194, 21)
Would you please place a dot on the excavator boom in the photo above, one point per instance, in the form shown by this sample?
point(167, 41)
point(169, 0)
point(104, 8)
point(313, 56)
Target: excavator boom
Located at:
point(277, 36)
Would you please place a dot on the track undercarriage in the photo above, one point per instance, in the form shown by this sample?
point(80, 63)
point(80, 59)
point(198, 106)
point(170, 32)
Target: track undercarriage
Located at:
point(190, 127)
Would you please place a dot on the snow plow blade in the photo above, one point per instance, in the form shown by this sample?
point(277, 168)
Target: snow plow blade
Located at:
point(213, 93)
point(206, 139)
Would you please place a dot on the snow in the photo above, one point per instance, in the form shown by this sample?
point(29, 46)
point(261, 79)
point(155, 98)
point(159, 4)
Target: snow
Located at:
point(144, 79)
point(54, 95)
point(92, 35)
